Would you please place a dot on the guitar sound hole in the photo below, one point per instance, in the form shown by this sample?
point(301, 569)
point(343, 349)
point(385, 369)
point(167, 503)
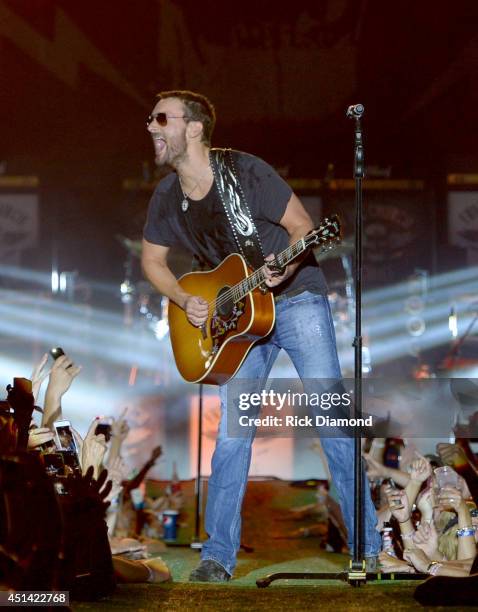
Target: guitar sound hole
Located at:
point(224, 306)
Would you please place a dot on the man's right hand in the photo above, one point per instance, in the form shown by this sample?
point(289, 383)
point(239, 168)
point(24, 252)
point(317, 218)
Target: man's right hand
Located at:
point(196, 309)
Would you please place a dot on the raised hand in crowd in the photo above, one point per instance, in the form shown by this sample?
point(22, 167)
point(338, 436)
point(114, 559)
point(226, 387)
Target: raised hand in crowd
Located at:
point(451, 454)
point(421, 470)
point(117, 472)
point(450, 498)
point(156, 453)
point(93, 451)
point(398, 504)
point(119, 433)
point(38, 436)
point(461, 458)
point(375, 470)
point(87, 491)
point(120, 427)
point(62, 374)
point(140, 476)
point(426, 503)
point(400, 508)
point(426, 538)
point(40, 372)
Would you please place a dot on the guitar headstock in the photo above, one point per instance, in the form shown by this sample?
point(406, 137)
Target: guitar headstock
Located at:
point(328, 234)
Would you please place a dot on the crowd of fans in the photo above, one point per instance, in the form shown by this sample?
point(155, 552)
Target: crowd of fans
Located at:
point(67, 521)
point(428, 517)
point(426, 513)
point(71, 518)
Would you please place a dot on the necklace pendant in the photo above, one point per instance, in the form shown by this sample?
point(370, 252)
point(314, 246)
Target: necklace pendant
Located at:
point(184, 205)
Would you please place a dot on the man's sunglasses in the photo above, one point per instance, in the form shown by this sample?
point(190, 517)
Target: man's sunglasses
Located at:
point(162, 118)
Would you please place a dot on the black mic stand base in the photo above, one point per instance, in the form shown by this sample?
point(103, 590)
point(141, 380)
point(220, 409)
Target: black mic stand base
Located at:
point(263, 583)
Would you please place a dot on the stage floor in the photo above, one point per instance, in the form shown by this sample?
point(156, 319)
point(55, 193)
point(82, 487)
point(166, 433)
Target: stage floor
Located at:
point(272, 523)
point(241, 593)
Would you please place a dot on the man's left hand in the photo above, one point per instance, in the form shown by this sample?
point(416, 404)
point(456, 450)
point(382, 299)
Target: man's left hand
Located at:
point(273, 276)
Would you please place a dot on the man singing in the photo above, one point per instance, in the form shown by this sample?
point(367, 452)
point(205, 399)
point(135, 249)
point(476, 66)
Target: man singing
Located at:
point(186, 209)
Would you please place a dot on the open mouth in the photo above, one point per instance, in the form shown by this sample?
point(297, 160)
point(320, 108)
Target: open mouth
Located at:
point(159, 144)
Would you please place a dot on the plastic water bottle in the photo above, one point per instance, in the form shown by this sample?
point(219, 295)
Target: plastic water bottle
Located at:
point(387, 539)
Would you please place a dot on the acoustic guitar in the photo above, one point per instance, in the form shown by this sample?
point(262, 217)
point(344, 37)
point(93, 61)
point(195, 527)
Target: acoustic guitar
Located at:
point(241, 310)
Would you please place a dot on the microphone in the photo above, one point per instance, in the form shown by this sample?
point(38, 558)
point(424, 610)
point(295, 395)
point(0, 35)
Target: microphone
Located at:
point(355, 111)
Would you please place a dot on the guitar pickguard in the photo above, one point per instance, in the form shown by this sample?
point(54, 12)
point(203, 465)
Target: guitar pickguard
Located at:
point(220, 327)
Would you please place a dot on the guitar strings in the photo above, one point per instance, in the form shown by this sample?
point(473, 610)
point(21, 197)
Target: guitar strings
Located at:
point(229, 294)
point(257, 277)
point(240, 288)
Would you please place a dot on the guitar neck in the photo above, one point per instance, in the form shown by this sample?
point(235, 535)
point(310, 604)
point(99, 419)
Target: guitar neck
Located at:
point(258, 277)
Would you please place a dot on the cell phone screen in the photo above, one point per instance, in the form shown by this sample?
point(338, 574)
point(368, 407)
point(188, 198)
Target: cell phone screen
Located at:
point(65, 438)
point(70, 459)
point(53, 462)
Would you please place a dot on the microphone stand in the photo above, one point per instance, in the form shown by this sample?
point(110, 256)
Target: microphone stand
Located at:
point(356, 575)
point(357, 571)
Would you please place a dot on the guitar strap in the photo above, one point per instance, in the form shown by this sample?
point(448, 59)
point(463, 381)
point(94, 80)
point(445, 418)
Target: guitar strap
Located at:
point(236, 208)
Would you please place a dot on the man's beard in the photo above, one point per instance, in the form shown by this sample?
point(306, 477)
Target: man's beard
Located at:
point(176, 152)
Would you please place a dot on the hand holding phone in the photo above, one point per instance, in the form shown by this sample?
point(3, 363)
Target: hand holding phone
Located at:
point(62, 373)
point(64, 437)
point(94, 449)
point(394, 496)
point(104, 427)
point(40, 437)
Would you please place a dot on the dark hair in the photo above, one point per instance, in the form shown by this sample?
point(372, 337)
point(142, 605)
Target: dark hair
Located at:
point(198, 108)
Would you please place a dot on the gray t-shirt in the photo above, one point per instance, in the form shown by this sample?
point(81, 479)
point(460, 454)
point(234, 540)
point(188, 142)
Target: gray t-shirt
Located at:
point(204, 229)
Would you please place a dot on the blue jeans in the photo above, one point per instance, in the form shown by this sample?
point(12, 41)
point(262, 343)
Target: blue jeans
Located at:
point(304, 329)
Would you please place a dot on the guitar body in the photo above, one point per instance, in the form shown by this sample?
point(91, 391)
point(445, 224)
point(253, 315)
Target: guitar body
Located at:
point(214, 353)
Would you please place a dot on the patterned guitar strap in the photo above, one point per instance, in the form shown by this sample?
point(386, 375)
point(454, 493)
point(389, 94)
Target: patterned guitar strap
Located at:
point(236, 208)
